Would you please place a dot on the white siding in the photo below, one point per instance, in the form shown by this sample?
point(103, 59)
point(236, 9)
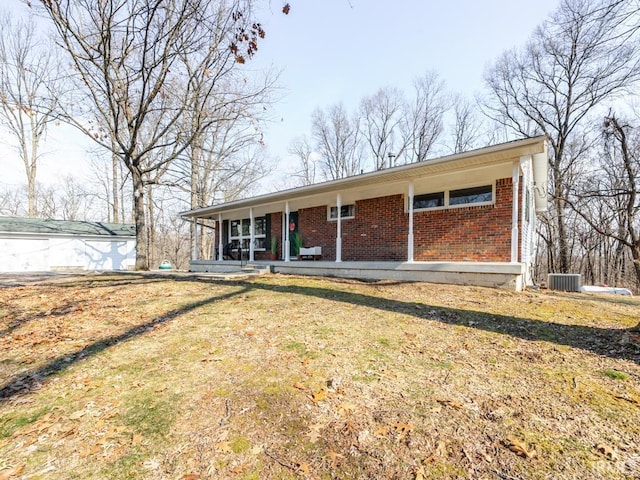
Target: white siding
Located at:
point(110, 255)
point(24, 255)
point(66, 253)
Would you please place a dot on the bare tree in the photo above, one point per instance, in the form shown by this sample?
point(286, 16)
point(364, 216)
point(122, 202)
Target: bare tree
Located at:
point(302, 150)
point(425, 121)
point(586, 53)
point(609, 198)
point(11, 203)
point(138, 65)
point(29, 93)
point(466, 129)
point(383, 114)
point(337, 137)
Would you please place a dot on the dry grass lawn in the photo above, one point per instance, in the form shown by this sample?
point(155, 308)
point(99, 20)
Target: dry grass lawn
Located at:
point(283, 377)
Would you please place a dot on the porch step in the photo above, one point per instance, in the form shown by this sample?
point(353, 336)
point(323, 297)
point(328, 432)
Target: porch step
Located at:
point(253, 269)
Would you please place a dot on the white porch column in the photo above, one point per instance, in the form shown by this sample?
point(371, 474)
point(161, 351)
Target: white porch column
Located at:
point(410, 236)
point(286, 232)
point(339, 233)
point(251, 235)
point(194, 254)
point(220, 233)
point(514, 212)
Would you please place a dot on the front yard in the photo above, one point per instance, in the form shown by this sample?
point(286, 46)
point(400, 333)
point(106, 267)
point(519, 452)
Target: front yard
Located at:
point(158, 377)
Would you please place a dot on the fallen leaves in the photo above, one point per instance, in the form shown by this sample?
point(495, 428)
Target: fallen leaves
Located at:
point(319, 395)
point(7, 473)
point(605, 451)
point(450, 403)
point(520, 448)
point(337, 406)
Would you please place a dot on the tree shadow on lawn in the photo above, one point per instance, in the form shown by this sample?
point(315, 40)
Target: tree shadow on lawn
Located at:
point(601, 341)
point(32, 380)
point(85, 281)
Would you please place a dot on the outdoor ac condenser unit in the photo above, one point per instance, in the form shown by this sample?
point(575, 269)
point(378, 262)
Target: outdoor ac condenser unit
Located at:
point(567, 282)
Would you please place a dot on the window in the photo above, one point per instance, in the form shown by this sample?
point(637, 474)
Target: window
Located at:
point(346, 211)
point(482, 195)
point(240, 233)
point(428, 200)
point(466, 196)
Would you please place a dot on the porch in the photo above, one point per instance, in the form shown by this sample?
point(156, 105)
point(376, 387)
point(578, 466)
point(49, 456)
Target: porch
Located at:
point(487, 274)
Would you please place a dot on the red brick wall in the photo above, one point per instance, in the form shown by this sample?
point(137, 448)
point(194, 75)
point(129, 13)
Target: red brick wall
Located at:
point(480, 233)
point(378, 231)
point(380, 227)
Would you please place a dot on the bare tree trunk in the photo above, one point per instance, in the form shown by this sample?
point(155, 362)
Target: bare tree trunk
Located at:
point(114, 185)
point(151, 226)
point(142, 246)
point(31, 168)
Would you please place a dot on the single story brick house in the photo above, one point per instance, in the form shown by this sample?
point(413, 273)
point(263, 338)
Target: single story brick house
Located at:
point(42, 245)
point(467, 218)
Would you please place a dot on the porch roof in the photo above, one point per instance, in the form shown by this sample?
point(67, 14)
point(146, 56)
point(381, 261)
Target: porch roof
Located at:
point(378, 183)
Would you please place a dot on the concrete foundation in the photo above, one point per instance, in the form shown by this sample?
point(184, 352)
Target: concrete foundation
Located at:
point(487, 274)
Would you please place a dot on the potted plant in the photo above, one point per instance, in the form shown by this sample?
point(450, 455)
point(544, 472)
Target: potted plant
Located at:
point(296, 240)
point(274, 248)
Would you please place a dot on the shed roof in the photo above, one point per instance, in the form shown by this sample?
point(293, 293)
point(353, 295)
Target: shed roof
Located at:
point(65, 227)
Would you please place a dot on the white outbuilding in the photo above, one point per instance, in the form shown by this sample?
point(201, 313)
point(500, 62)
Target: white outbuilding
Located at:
point(42, 245)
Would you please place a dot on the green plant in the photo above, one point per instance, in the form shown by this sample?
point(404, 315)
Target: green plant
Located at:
point(274, 245)
point(614, 374)
point(296, 240)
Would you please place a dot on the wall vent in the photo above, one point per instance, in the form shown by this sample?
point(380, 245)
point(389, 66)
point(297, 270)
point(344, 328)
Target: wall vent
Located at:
point(567, 282)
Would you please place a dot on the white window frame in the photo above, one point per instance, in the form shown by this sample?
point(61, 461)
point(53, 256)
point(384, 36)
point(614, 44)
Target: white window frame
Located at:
point(447, 206)
point(352, 207)
point(242, 237)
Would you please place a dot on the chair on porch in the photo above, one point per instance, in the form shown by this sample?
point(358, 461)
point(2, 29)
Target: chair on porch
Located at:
point(228, 253)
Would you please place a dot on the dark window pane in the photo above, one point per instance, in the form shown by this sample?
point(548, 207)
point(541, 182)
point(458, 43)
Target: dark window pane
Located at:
point(466, 196)
point(235, 230)
point(429, 200)
point(345, 211)
point(260, 225)
point(246, 227)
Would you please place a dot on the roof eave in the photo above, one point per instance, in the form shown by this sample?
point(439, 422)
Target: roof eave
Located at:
point(486, 155)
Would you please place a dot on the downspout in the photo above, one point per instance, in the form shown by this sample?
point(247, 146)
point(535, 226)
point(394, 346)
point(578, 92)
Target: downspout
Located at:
point(286, 233)
point(220, 233)
point(339, 233)
point(251, 236)
point(514, 212)
point(410, 236)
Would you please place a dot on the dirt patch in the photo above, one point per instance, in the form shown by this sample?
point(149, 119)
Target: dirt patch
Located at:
point(144, 376)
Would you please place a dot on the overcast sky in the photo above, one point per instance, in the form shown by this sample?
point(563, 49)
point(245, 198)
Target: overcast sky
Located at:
point(334, 51)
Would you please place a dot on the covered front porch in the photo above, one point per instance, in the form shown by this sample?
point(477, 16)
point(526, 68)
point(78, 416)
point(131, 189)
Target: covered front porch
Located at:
point(487, 274)
point(463, 219)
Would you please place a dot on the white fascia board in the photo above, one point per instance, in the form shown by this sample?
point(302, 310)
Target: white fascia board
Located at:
point(475, 158)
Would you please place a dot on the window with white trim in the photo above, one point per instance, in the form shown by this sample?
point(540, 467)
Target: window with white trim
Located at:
point(468, 196)
point(481, 195)
point(346, 212)
point(240, 233)
point(428, 200)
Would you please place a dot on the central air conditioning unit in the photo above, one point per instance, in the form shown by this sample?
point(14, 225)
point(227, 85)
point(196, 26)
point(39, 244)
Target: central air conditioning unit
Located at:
point(567, 282)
